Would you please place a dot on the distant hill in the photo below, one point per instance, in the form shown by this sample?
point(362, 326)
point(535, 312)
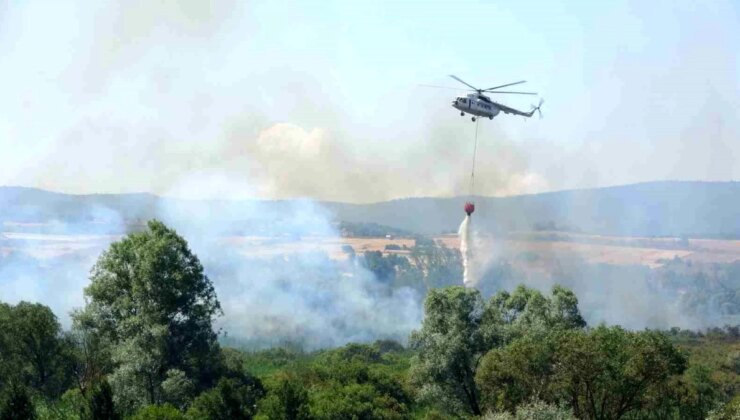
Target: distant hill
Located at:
point(707, 209)
point(671, 208)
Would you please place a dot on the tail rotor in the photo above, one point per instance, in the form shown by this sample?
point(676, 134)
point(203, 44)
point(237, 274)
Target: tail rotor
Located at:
point(537, 108)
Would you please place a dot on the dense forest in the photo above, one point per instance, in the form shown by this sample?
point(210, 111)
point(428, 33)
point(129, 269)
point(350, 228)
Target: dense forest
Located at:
point(145, 346)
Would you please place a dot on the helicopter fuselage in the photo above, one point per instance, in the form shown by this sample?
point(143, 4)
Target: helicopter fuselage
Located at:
point(476, 104)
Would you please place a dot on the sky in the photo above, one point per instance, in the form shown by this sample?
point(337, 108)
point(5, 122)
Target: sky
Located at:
point(270, 99)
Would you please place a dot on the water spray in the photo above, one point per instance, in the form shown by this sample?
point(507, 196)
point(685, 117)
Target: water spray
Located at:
point(466, 241)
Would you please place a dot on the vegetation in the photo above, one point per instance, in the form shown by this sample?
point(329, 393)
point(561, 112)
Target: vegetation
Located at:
point(144, 348)
point(16, 404)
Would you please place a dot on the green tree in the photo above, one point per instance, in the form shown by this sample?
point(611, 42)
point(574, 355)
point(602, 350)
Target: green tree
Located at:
point(177, 388)
point(458, 329)
point(361, 401)
point(33, 348)
point(39, 338)
point(287, 399)
point(229, 399)
point(153, 307)
point(607, 373)
point(8, 348)
point(383, 266)
point(527, 311)
point(450, 345)
point(101, 402)
point(70, 406)
point(16, 404)
point(522, 371)
point(357, 381)
point(439, 266)
point(693, 395)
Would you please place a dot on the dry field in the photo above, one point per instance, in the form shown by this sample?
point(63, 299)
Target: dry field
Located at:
point(591, 248)
point(541, 249)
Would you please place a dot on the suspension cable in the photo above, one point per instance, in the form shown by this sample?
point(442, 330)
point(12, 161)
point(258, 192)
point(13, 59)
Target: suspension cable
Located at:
point(472, 171)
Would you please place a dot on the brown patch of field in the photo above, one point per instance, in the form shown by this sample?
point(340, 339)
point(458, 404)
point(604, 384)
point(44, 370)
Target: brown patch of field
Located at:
point(547, 252)
point(540, 250)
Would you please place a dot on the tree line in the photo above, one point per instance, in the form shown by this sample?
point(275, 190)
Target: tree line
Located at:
point(144, 347)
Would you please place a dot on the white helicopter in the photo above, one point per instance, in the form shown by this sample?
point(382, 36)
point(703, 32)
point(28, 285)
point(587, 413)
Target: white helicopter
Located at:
point(479, 105)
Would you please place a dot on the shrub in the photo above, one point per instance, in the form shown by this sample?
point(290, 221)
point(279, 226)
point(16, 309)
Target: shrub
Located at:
point(158, 412)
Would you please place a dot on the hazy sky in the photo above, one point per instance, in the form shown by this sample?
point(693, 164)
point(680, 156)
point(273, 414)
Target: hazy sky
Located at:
point(321, 99)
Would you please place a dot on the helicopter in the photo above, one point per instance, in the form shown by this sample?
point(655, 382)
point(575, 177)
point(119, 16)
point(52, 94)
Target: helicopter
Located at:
point(478, 104)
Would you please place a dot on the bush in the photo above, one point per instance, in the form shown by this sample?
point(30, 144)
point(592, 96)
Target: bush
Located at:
point(731, 411)
point(355, 401)
point(534, 410)
point(71, 406)
point(158, 412)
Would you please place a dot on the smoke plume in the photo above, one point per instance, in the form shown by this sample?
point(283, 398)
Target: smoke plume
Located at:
point(299, 297)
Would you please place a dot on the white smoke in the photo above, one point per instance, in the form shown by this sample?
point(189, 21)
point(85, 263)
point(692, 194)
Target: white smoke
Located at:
point(299, 296)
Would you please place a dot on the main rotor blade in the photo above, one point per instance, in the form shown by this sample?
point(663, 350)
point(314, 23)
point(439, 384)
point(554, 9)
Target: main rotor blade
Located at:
point(446, 87)
point(508, 84)
point(516, 93)
point(463, 82)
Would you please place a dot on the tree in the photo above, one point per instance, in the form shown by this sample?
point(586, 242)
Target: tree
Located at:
point(153, 307)
point(360, 401)
point(607, 373)
point(458, 329)
point(16, 404)
point(101, 402)
point(354, 382)
point(39, 340)
point(384, 267)
point(8, 347)
point(177, 388)
point(229, 399)
point(440, 266)
point(564, 312)
point(528, 311)
point(33, 348)
point(522, 371)
point(287, 399)
point(695, 393)
point(450, 345)
point(90, 352)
